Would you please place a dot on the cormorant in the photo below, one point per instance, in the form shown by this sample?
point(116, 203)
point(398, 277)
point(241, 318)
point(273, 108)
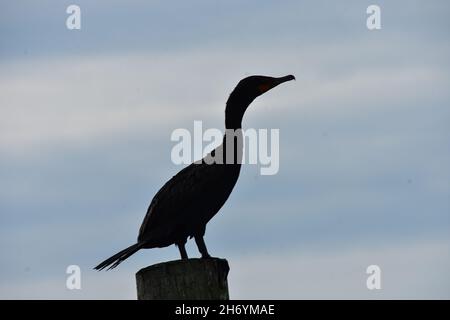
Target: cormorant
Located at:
point(185, 204)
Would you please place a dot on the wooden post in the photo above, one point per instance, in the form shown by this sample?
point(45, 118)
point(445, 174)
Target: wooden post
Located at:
point(191, 279)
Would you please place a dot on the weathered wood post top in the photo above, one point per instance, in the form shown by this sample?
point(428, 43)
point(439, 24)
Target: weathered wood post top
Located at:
point(190, 279)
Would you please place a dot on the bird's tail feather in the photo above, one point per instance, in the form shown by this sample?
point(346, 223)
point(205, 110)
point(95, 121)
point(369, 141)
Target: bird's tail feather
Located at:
point(116, 259)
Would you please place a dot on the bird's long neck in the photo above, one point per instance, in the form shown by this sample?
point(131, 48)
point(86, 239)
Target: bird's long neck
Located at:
point(233, 138)
point(234, 111)
point(233, 119)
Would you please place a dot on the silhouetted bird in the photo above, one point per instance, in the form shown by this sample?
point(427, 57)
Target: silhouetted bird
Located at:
point(185, 204)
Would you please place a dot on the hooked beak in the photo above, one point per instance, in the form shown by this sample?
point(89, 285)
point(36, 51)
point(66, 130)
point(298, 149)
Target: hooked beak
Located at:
point(283, 79)
point(273, 82)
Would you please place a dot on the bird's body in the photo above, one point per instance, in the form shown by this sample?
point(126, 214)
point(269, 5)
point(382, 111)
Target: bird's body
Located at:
point(184, 205)
point(191, 198)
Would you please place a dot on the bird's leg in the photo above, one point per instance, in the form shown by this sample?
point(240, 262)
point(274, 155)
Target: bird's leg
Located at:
point(201, 246)
point(183, 253)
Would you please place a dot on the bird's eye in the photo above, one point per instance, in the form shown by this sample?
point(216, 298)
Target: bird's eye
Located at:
point(264, 87)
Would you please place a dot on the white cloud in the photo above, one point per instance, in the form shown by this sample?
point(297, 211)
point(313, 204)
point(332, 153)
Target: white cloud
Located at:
point(380, 104)
point(409, 271)
point(81, 99)
point(414, 270)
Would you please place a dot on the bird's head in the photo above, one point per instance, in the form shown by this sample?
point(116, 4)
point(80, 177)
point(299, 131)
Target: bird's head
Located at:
point(254, 86)
point(247, 90)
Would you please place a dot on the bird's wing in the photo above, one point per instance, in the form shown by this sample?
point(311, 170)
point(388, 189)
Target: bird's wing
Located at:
point(169, 206)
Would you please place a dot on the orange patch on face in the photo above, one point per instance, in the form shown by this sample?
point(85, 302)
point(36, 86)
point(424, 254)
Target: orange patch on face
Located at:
point(264, 87)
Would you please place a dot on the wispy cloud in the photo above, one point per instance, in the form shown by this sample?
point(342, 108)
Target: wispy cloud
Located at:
point(364, 176)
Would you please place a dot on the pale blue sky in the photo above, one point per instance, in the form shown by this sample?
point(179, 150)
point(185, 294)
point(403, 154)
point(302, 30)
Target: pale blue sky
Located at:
point(85, 125)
